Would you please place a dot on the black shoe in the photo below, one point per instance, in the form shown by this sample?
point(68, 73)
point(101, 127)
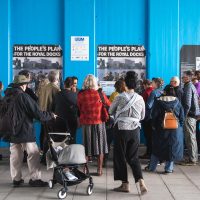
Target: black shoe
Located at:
point(37, 183)
point(17, 183)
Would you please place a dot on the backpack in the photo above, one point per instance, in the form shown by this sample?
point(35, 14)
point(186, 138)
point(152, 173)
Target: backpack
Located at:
point(170, 120)
point(8, 119)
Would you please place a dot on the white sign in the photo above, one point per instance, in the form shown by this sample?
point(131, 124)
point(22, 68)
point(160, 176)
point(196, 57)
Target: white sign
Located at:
point(197, 63)
point(80, 48)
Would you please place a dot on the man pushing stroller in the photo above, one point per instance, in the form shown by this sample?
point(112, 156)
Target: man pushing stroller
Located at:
point(25, 109)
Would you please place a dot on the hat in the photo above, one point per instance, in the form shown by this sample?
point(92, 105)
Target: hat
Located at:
point(21, 80)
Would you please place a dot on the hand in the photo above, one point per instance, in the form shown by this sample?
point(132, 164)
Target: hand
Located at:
point(73, 89)
point(55, 116)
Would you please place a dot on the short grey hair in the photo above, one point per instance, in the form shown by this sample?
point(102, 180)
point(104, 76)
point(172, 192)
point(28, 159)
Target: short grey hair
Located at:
point(90, 82)
point(176, 78)
point(53, 76)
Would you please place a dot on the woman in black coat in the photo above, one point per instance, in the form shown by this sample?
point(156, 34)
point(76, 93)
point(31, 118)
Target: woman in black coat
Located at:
point(167, 143)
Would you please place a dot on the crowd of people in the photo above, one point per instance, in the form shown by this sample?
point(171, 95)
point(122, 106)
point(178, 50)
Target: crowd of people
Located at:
point(66, 109)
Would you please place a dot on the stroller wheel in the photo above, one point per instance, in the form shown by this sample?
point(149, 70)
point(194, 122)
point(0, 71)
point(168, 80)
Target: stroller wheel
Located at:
point(51, 184)
point(62, 194)
point(89, 189)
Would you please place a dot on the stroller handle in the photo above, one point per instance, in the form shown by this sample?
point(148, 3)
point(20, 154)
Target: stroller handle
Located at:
point(66, 134)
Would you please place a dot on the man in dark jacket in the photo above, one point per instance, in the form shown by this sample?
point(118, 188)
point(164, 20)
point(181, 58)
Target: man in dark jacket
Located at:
point(66, 108)
point(26, 109)
point(175, 83)
point(191, 111)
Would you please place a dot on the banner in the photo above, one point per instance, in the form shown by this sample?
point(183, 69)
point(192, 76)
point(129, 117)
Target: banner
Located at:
point(190, 58)
point(38, 59)
point(113, 61)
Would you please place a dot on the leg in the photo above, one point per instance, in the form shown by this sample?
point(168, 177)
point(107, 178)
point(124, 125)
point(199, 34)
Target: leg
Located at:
point(133, 141)
point(41, 136)
point(169, 166)
point(72, 126)
point(100, 164)
point(16, 161)
point(120, 168)
point(190, 138)
point(87, 140)
point(148, 136)
point(109, 133)
point(198, 135)
point(33, 160)
point(153, 163)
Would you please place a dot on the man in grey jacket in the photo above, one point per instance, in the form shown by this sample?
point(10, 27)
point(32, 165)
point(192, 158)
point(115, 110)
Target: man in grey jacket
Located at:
point(191, 110)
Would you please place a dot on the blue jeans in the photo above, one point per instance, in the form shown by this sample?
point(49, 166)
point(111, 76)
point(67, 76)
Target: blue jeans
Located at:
point(169, 165)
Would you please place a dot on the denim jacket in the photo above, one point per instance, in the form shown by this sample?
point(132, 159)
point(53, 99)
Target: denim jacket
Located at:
point(150, 101)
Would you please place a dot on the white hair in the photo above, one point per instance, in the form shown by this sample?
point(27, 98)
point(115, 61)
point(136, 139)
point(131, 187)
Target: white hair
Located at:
point(90, 82)
point(176, 78)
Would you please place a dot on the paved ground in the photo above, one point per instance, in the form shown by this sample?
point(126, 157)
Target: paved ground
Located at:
point(183, 184)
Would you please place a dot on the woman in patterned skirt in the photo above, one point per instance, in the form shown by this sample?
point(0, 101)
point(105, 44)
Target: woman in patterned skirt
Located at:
point(94, 131)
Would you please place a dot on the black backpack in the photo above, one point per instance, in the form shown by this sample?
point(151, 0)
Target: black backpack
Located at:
point(8, 118)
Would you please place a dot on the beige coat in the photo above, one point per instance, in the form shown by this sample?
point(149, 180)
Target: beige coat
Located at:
point(47, 95)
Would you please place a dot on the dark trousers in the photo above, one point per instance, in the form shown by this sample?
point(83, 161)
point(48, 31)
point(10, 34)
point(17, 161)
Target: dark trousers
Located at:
point(147, 127)
point(110, 134)
point(126, 150)
point(198, 135)
point(72, 128)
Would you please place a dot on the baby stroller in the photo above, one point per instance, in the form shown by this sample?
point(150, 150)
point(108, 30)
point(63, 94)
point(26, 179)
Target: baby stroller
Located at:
point(65, 161)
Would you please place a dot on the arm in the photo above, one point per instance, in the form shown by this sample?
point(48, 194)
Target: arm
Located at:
point(187, 99)
point(107, 102)
point(143, 109)
point(150, 100)
point(155, 113)
point(181, 115)
point(32, 109)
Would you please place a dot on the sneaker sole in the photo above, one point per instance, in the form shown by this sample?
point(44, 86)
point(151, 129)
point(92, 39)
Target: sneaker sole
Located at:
point(125, 191)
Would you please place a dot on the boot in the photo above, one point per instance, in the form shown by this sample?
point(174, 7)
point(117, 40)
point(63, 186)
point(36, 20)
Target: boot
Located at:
point(124, 187)
point(143, 188)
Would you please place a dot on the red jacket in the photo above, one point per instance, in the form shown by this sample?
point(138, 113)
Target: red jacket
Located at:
point(147, 93)
point(90, 105)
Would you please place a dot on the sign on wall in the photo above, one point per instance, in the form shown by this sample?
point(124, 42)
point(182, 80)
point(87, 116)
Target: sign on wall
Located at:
point(113, 61)
point(79, 48)
point(190, 58)
point(38, 59)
